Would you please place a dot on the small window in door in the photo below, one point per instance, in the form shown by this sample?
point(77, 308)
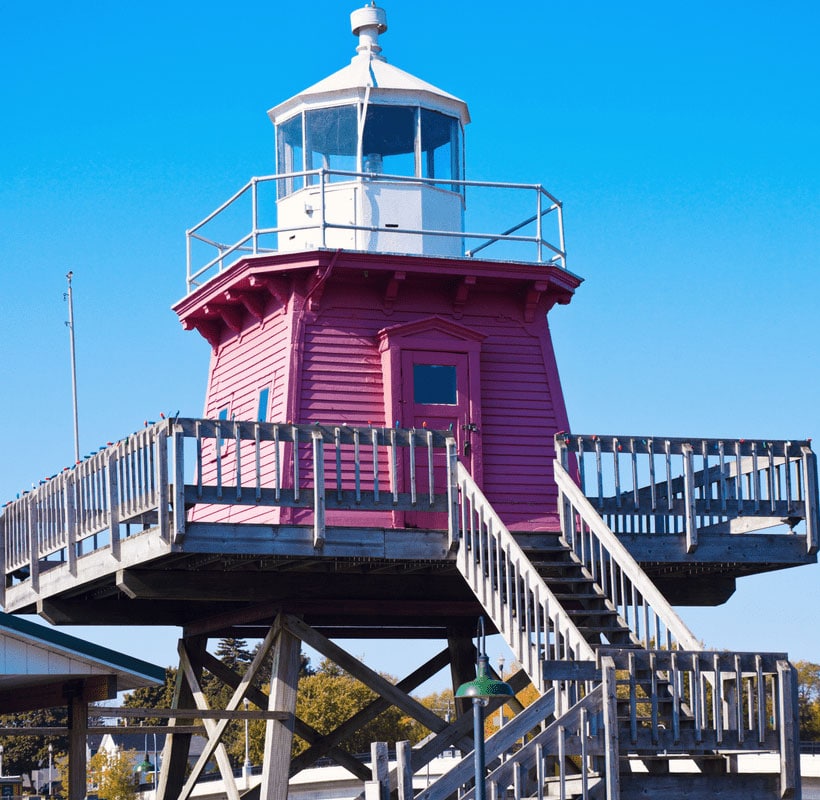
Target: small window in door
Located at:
point(434, 384)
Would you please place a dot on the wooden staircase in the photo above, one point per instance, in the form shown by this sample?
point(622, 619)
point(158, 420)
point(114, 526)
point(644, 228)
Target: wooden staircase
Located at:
point(638, 707)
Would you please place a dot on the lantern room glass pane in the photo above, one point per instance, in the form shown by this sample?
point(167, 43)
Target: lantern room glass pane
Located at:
point(331, 140)
point(389, 141)
point(290, 154)
point(434, 384)
point(440, 147)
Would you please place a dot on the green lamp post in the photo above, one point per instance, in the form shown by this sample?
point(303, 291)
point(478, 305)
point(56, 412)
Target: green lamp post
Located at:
point(481, 690)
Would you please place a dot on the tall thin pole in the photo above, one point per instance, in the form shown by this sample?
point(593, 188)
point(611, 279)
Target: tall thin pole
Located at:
point(70, 323)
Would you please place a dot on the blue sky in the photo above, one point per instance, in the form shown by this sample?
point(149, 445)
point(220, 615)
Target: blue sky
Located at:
point(682, 138)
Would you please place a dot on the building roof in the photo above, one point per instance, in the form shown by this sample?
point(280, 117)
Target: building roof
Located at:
point(369, 70)
point(40, 667)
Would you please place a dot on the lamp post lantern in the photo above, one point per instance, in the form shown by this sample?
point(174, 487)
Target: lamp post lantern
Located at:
point(481, 690)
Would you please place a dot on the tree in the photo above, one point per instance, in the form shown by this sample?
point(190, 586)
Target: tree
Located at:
point(329, 697)
point(808, 700)
point(22, 755)
point(152, 697)
point(113, 774)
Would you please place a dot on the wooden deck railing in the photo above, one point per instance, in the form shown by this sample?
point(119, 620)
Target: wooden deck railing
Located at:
point(522, 607)
point(152, 478)
point(683, 486)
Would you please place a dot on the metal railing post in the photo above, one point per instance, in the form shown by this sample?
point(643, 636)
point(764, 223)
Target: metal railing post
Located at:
point(322, 201)
point(255, 214)
point(538, 223)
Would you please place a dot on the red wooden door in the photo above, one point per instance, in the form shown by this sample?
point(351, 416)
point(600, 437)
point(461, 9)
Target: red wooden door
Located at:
point(436, 395)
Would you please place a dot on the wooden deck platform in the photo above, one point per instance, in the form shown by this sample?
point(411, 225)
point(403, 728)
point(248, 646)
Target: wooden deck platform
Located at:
point(308, 512)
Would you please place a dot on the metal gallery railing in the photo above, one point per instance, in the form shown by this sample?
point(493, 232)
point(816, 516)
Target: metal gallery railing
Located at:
point(247, 223)
point(152, 479)
point(687, 486)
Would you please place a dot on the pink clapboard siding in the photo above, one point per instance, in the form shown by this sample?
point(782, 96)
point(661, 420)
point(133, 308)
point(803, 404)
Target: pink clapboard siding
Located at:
point(321, 360)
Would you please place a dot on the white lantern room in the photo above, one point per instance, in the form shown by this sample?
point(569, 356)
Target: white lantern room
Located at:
point(372, 158)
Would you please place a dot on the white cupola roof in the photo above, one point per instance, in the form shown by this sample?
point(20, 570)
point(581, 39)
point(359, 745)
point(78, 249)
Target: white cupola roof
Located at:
point(369, 73)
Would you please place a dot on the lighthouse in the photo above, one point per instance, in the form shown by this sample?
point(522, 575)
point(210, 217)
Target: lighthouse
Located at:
point(384, 454)
point(369, 300)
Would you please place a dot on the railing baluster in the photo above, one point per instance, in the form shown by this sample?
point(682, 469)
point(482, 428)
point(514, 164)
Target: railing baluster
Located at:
point(337, 443)
point(294, 432)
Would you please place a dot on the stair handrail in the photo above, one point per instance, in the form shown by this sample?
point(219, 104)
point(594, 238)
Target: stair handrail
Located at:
point(546, 630)
point(496, 745)
point(609, 555)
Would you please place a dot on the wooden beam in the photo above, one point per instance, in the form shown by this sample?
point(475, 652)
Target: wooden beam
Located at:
point(369, 677)
point(278, 734)
point(364, 716)
point(77, 734)
point(301, 729)
point(183, 713)
point(177, 745)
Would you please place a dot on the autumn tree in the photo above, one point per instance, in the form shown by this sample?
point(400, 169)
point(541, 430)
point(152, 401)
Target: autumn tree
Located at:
point(112, 774)
point(808, 700)
point(329, 697)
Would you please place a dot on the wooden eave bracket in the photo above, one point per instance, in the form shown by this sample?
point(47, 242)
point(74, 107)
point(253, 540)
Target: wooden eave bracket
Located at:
point(273, 287)
point(209, 330)
point(254, 302)
point(231, 316)
point(536, 289)
point(392, 291)
point(462, 293)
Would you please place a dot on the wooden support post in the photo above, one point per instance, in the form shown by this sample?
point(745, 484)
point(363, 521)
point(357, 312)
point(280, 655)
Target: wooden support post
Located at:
point(112, 490)
point(462, 663)
point(789, 730)
point(610, 713)
point(404, 770)
point(318, 491)
point(452, 495)
point(178, 454)
point(380, 768)
point(34, 544)
point(163, 499)
point(177, 745)
point(810, 499)
point(279, 734)
point(77, 733)
point(690, 520)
